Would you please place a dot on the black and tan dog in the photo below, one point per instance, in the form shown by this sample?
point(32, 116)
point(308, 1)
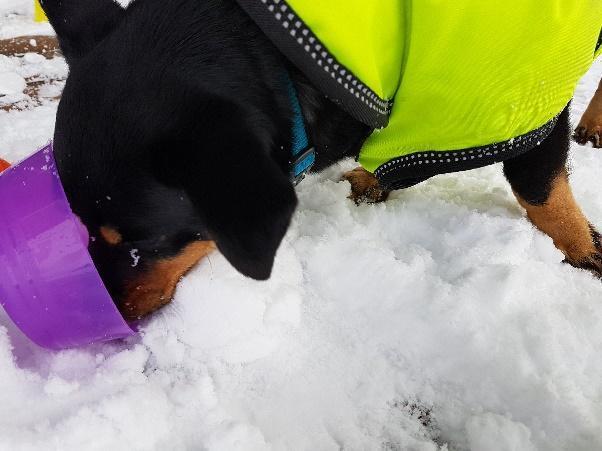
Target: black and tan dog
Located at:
point(173, 134)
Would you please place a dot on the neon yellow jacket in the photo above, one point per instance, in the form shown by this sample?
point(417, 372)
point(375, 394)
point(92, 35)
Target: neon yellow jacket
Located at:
point(448, 84)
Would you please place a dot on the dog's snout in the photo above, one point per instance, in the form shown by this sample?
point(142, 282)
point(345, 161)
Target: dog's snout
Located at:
point(156, 286)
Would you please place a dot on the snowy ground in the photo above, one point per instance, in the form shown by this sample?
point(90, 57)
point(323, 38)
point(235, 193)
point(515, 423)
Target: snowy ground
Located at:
point(439, 320)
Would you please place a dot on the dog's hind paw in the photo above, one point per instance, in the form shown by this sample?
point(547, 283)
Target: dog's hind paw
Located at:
point(584, 134)
point(365, 187)
point(590, 126)
point(592, 262)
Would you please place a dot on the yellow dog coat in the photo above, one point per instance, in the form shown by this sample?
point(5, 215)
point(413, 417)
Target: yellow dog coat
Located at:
point(447, 85)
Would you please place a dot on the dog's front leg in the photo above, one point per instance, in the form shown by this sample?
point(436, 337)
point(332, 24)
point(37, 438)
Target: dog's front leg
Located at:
point(590, 126)
point(540, 182)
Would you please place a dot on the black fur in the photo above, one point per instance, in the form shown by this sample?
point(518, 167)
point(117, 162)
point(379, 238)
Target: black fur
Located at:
point(82, 23)
point(531, 174)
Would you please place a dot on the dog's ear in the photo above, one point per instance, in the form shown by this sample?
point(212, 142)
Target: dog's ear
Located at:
point(81, 24)
point(243, 196)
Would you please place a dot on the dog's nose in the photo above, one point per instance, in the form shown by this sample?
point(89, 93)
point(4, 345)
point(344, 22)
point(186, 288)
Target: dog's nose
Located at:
point(157, 285)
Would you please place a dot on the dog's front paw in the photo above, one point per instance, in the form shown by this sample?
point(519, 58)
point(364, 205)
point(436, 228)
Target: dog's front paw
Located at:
point(365, 187)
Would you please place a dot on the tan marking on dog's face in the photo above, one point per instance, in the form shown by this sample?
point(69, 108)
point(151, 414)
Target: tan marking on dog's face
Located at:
point(562, 219)
point(156, 287)
point(111, 235)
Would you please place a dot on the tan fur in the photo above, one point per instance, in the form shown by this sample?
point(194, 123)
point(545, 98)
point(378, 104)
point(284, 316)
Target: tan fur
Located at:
point(561, 218)
point(365, 186)
point(110, 235)
point(157, 286)
point(590, 126)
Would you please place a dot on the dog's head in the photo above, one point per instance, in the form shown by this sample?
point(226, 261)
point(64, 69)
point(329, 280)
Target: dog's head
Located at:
point(167, 148)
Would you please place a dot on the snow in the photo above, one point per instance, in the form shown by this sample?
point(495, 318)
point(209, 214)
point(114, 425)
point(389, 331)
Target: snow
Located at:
point(11, 84)
point(438, 320)
point(15, 20)
point(497, 433)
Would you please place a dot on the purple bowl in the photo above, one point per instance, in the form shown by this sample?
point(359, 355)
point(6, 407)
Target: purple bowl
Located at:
point(49, 285)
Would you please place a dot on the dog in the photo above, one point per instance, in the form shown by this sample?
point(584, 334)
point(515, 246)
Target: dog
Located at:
point(172, 138)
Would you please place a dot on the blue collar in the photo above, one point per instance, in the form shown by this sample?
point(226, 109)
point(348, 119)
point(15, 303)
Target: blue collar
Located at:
point(303, 154)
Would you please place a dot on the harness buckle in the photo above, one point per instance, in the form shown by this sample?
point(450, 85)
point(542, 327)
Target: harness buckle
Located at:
point(301, 164)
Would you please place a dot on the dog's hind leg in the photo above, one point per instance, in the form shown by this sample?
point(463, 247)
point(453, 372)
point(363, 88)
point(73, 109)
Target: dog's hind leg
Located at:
point(540, 182)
